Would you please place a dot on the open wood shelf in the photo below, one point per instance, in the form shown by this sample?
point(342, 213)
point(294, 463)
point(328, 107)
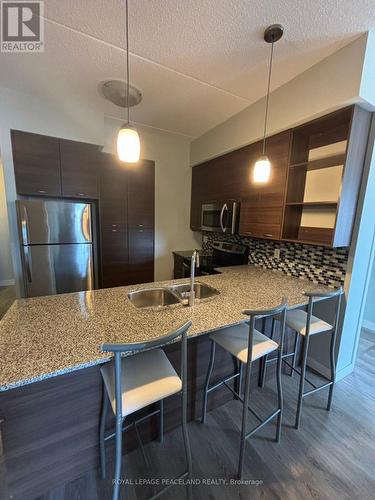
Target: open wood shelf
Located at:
point(312, 203)
point(327, 162)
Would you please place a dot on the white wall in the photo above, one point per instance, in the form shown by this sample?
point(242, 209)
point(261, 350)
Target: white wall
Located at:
point(6, 268)
point(326, 86)
point(172, 192)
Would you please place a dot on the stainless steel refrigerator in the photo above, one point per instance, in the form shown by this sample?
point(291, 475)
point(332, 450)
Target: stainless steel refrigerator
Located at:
point(57, 249)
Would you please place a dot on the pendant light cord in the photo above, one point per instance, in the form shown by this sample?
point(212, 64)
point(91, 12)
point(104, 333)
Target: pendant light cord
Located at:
point(127, 59)
point(267, 100)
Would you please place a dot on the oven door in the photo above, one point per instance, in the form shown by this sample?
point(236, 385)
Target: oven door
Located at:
point(220, 218)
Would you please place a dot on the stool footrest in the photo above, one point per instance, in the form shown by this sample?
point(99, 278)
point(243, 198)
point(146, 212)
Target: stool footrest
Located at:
point(222, 382)
point(133, 424)
point(264, 422)
point(316, 389)
point(288, 355)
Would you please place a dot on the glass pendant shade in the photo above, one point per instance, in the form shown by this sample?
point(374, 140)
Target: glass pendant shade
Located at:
point(262, 170)
point(128, 144)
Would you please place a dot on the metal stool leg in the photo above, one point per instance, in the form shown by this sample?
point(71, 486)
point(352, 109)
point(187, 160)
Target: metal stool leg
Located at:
point(279, 394)
point(333, 368)
point(239, 380)
point(302, 380)
point(186, 442)
point(295, 354)
point(264, 359)
point(161, 421)
point(244, 420)
point(208, 376)
point(103, 418)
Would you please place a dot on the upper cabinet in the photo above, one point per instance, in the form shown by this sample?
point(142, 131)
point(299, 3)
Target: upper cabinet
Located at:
point(79, 169)
point(47, 166)
point(311, 196)
point(230, 177)
point(36, 164)
point(262, 205)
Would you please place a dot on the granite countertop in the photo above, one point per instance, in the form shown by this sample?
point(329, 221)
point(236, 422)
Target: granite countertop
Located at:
point(47, 336)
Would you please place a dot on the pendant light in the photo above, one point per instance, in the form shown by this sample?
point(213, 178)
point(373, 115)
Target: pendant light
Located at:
point(128, 143)
point(262, 167)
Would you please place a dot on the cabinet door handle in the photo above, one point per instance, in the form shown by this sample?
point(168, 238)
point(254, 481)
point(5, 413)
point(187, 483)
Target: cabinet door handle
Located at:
point(268, 235)
point(80, 194)
point(140, 225)
point(41, 191)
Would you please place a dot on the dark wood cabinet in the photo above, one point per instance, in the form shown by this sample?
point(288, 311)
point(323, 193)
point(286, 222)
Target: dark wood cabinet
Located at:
point(261, 211)
point(141, 188)
point(113, 223)
point(80, 163)
point(125, 194)
point(127, 222)
point(36, 164)
point(230, 177)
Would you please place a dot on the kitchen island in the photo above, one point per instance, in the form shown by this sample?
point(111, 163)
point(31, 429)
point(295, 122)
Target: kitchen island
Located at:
point(50, 358)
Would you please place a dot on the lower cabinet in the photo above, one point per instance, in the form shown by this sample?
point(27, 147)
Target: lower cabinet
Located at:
point(126, 213)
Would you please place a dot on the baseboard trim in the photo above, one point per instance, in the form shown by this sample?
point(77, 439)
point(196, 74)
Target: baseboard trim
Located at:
point(369, 325)
point(326, 372)
point(7, 282)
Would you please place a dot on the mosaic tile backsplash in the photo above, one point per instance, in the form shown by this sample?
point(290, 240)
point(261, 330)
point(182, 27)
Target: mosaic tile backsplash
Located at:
point(318, 264)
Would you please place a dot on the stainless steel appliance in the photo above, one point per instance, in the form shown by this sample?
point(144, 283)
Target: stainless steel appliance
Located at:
point(56, 246)
point(220, 217)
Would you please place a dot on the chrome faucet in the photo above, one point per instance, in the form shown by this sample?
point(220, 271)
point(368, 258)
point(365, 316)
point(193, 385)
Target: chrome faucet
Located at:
point(194, 263)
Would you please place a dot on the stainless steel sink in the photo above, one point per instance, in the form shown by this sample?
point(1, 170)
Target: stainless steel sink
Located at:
point(202, 291)
point(153, 297)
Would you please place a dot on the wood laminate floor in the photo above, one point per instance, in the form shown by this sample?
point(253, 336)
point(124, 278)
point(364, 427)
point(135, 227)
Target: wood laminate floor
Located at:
point(332, 456)
point(7, 297)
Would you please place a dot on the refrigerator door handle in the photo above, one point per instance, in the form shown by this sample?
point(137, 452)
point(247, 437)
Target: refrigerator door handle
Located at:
point(28, 264)
point(25, 227)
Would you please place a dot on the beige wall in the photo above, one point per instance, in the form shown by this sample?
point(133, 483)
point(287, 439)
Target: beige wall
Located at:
point(172, 192)
point(328, 85)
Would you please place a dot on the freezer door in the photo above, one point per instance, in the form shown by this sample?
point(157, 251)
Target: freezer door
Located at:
point(52, 269)
point(53, 222)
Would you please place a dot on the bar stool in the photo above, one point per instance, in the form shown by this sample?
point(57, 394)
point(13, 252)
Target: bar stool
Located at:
point(247, 344)
point(305, 324)
point(134, 382)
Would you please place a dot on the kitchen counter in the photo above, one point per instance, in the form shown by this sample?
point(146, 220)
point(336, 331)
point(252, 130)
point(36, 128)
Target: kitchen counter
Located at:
point(47, 336)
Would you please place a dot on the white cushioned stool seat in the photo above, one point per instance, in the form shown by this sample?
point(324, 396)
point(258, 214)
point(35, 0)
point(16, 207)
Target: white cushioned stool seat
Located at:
point(297, 318)
point(146, 378)
point(235, 340)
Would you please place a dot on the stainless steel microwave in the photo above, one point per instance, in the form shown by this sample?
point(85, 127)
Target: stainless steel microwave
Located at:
point(220, 217)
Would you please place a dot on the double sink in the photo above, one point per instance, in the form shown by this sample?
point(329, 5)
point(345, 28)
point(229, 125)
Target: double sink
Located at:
point(167, 296)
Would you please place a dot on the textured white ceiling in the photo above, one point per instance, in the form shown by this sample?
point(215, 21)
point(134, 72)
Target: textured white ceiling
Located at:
point(197, 62)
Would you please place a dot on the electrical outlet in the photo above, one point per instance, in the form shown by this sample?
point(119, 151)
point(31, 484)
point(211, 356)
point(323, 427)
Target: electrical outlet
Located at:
point(276, 253)
point(205, 238)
